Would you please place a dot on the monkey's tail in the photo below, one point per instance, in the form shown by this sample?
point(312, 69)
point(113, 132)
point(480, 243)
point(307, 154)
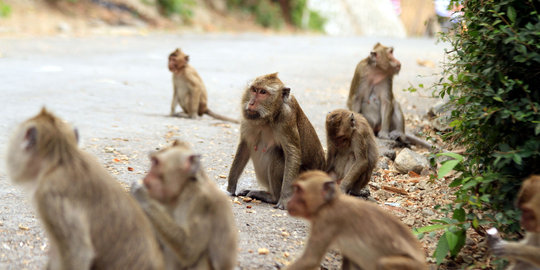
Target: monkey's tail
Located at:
point(221, 117)
point(417, 141)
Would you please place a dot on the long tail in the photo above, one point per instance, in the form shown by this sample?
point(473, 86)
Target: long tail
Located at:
point(417, 141)
point(221, 117)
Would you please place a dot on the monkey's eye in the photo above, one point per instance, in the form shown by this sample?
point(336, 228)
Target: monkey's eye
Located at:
point(262, 92)
point(253, 90)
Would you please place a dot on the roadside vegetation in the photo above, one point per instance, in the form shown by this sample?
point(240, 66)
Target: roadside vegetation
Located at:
point(491, 83)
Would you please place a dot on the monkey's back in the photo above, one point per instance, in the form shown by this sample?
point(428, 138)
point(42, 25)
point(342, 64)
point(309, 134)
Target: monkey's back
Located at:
point(120, 234)
point(312, 151)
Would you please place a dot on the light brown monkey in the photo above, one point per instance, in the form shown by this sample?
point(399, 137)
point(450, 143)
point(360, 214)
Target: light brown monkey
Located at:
point(367, 236)
point(278, 138)
point(192, 216)
point(371, 95)
point(91, 222)
point(526, 253)
point(352, 151)
point(188, 89)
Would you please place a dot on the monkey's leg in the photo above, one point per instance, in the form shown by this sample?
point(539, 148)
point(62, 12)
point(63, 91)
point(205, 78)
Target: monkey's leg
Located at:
point(174, 102)
point(520, 252)
point(348, 265)
point(240, 161)
point(399, 262)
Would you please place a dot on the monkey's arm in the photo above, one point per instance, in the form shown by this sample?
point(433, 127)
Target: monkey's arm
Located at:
point(358, 168)
point(518, 251)
point(293, 158)
point(319, 240)
point(240, 160)
point(68, 229)
point(387, 107)
point(330, 156)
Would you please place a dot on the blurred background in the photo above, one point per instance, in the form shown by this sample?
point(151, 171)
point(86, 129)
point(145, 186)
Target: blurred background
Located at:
point(387, 18)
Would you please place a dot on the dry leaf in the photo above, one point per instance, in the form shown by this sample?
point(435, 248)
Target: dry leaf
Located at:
point(263, 251)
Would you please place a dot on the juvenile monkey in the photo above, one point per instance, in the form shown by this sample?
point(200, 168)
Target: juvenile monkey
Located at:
point(192, 216)
point(91, 222)
point(367, 236)
point(526, 253)
point(352, 151)
point(188, 89)
point(371, 95)
point(278, 138)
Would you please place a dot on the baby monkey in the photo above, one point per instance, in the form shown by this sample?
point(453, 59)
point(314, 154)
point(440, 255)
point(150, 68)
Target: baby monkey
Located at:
point(188, 89)
point(367, 236)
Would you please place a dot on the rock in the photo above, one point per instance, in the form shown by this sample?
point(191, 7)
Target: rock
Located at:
point(63, 27)
point(427, 212)
point(408, 160)
point(384, 161)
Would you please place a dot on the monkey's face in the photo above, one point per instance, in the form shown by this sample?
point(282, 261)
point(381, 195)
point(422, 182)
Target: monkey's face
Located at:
point(177, 61)
point(383, 58)
point(311, 191)
point(529, 204)
point(256, 105)
point(42, 139)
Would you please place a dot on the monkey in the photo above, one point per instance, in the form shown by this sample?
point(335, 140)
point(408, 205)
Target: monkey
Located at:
point(188, 89)
point(367, 236)
point(352, 151)
point(191, 215)
point(371, 95)
point(278, 138)
point(90, 220)
point(526, 253)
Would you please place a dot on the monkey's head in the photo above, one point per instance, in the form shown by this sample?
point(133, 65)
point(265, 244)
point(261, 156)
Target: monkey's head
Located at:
point(383, 58)
point(312, 190)
point(264, 97)
point(177, 61)
point(529, 204)
point(174, 169)
point(39, 142)
point(340, 124)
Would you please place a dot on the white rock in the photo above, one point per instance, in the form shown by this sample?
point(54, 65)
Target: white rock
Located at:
point(408, 160)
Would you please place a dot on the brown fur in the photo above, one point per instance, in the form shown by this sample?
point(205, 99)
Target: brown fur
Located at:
point(278, 138)
point(352, 151)
point(367, 237)
point(371, 95)
point(526, 253)
point(188, 89)
point(91, 222)
point(192, 216)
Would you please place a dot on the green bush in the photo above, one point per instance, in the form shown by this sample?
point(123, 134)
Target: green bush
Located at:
point(5, 9)
point(180, 7)
point(492, 81)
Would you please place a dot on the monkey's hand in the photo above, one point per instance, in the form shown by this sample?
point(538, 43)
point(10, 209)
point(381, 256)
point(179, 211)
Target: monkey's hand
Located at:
point(383, 135)
point(495, 242)
point(140, 193)
point(282, 203)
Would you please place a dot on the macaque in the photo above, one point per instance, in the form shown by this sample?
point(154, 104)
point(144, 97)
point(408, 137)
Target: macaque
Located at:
point(367, 236)
point(352, 151)
point(278, 138)
point(371, 95)
point(188, 89)
point(90, 220)
point(526, 253)
point(192, 216)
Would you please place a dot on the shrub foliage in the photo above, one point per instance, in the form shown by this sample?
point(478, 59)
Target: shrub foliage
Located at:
point(492, 82)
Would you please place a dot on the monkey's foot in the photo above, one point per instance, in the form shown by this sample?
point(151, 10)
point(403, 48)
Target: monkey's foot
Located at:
point(364, 193)
point(260, 195)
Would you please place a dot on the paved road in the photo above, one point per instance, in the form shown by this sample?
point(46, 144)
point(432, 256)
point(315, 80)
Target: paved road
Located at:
point(117, 91)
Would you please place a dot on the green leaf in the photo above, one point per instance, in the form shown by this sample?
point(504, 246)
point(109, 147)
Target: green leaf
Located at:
point(452, 155)
point(429, 228)
point(511, 12)
point(446, 167)
point(459, 214)
point(442, 250)
point(451, 239)
point(517, 159)
point(499, 99)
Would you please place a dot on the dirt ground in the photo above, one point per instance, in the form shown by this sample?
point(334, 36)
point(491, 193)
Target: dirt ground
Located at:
point(269, 238)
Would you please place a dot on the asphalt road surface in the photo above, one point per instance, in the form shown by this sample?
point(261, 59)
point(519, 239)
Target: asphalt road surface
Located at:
point(117, 92)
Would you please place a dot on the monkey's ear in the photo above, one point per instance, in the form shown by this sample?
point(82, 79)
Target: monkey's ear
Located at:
point(30, 138)
point(176, 143)
point(329, 190)
point(372, 57)
point(187, 58)
point(76, 132)
point(194, 163)
point(352, 120)
point(286, 92)
point(391, 50)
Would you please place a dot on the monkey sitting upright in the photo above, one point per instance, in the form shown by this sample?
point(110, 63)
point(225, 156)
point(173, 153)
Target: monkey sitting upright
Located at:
point(188, 89)
point(192, 217)
point(91, 222)
point(278, 138)
point(367, 236)
point(352, 151)
point(526, 253)
point(371, 95)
